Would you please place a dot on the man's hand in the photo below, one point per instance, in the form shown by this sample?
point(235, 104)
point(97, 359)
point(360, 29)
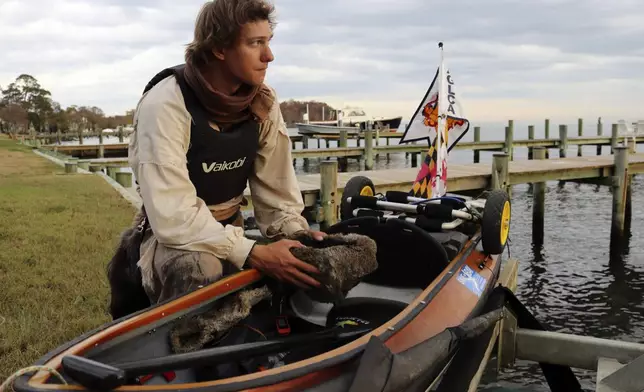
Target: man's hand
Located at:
point(277, 260)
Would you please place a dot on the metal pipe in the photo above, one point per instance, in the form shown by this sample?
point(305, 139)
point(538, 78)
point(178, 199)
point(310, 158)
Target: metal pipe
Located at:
point(575, 351)
point(413, 209)
point(444, 226)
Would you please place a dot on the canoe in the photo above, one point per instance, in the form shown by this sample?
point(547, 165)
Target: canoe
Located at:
point(435, 272)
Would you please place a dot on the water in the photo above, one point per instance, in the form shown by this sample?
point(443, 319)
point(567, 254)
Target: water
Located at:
point(570, 284)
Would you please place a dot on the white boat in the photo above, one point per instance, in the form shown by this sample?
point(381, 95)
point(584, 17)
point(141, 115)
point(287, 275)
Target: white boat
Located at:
point(357, 117)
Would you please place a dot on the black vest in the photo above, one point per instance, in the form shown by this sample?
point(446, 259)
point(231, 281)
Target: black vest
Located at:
point(219, 163)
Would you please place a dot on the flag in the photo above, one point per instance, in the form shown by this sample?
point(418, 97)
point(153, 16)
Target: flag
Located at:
point(440, 109)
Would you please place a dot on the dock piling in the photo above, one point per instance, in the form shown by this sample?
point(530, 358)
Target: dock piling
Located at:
point(124, 178)
point(538, 203)
point(305, 146)
point(112, 170)
point(613, 138)
point(414, 159)
point(563, 140)
point(328, 193)
point(600, 132)
point(377, 136)
point(530, 137)
point(619, 188)
point(509, 139)
point(580, 133)
point(477, 138)
point(632, 149)
point(500, 173)
point(71, 166)
point(546, 134)
point(547, 129)
point(368, 145)
point(342, 142)
point(83, 164)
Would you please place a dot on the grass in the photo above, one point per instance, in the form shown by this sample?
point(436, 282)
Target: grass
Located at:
point(57, 233)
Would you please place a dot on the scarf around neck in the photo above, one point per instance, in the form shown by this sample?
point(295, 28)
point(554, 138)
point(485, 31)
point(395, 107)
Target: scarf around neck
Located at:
point(248, 102)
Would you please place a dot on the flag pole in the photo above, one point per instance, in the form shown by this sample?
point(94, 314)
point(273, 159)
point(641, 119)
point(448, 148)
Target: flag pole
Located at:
point(441, 125)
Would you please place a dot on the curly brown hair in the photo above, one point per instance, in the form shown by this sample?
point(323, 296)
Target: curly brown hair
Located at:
point(218, 25)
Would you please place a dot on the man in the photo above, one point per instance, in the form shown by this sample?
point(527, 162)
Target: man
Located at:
point(202, 130)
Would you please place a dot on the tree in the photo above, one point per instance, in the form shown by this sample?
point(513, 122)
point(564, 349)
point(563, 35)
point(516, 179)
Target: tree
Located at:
point(27, 93)
point(58, 119)
point(120, 120)
point(15, 118)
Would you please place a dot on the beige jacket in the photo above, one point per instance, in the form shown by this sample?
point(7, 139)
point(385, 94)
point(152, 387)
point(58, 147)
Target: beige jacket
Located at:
point(181, 220)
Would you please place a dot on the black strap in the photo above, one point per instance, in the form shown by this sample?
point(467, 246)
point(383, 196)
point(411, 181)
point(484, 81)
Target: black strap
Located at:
point(162, 75)
point(192, 103)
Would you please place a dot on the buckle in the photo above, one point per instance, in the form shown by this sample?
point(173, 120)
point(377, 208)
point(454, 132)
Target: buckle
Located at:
point(141, 226)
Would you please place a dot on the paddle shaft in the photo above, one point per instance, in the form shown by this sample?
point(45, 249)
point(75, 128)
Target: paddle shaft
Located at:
point(235, 352)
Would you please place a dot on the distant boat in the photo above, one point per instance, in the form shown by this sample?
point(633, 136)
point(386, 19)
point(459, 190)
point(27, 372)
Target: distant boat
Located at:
point(319, 129)
point(357, 117)
point(636, 129)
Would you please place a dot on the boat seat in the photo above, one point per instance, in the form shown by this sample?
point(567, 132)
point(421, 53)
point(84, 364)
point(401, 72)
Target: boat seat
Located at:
point(409, 259)
point(316, 312)
point(407, 255)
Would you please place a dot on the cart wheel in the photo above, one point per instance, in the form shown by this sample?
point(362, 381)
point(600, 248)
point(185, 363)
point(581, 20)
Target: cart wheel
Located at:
point(356, 186)
point(496, 222)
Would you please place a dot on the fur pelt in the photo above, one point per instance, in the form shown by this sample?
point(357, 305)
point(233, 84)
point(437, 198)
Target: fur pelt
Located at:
point(194, 332)
point(127, 294)
point(343, 259)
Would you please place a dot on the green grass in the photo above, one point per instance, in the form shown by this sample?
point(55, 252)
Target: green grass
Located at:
point(57, 233)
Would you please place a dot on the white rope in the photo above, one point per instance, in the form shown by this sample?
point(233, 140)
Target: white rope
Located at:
point(7, 386)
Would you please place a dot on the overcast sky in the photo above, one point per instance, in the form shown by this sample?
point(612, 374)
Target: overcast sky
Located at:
point(518, 59)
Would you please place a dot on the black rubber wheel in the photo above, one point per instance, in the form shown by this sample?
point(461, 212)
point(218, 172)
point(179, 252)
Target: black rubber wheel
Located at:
point(356, 186)
point(495, 226)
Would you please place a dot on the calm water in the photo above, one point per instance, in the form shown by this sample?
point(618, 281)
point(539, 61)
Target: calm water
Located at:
point(570, 283)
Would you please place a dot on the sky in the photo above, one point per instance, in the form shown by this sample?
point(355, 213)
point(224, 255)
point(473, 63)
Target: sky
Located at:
point(510, 59)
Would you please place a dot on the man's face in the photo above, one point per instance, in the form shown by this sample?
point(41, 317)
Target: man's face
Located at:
point(248, 58)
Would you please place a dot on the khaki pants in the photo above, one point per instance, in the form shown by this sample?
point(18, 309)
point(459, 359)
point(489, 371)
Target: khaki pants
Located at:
point(175, 272)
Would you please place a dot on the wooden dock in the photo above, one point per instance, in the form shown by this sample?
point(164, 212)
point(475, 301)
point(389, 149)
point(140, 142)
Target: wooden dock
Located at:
point(368, 146)
point(475, 176)
point(464, 177)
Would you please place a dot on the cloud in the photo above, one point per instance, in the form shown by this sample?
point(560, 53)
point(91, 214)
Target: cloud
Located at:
point(510, 58)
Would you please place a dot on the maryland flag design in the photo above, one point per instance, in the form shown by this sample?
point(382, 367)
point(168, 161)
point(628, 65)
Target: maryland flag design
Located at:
point(431, 180)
